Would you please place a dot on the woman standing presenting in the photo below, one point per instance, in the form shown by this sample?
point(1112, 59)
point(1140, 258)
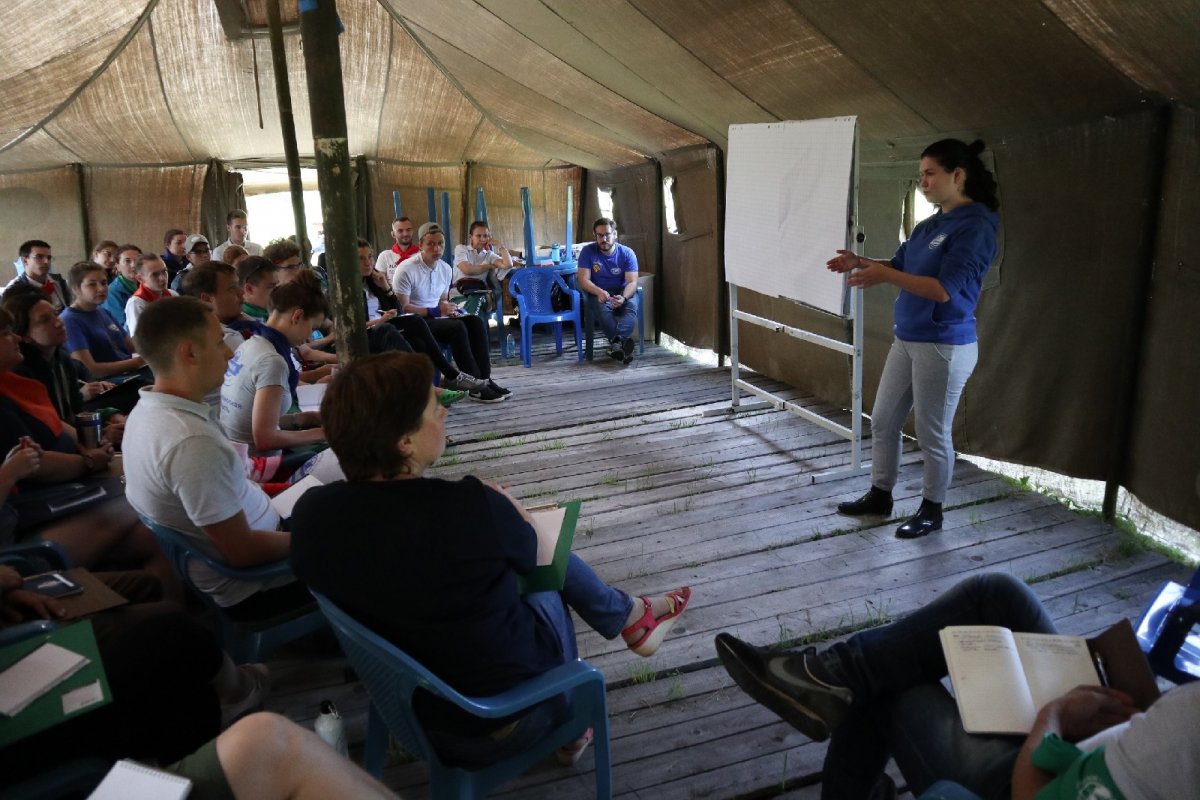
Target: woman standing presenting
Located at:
point(939, 271)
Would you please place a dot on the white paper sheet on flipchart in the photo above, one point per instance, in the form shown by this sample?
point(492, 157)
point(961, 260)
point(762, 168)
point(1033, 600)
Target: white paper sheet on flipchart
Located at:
point(787, 207)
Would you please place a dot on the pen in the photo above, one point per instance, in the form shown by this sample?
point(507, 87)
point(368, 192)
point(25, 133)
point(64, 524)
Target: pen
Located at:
point(1098, 660)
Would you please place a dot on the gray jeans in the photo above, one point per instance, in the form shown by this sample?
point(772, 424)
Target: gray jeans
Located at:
point(930, 378)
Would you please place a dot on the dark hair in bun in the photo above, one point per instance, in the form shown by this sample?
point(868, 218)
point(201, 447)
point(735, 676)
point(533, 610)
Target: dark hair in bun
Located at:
point(952, 154)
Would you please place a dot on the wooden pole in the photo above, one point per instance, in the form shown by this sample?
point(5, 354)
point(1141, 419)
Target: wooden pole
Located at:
point(287, 122)
point(319, 28)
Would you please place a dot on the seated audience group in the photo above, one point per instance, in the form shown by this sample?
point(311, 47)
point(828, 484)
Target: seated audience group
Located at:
point(202, 394)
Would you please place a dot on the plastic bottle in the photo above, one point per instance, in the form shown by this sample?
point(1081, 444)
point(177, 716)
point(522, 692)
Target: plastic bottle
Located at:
point(329, 726)
point(510, 344)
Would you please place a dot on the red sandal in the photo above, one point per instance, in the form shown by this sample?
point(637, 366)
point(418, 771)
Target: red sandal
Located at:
point(653, 631)
point(568, 754)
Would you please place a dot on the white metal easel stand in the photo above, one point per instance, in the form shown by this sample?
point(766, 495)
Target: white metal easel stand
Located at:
point(853, 349)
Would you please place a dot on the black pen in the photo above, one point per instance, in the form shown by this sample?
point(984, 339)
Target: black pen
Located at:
point(1098, 660)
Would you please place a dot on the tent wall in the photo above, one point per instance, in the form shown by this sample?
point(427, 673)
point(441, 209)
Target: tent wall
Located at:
point(42, 205)
point(222, 193)
point(691, 289)
point(1164, 459)
point(637, 209)
point(411, 181)
point(139, 204)
point(547, 198)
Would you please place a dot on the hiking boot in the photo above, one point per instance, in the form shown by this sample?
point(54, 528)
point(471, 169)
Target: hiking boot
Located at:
point(488, 395)
point(464, 383)
point(784, 683)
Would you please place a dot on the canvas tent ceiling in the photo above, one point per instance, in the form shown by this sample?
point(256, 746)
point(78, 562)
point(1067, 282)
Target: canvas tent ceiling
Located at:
point(1081, 101)
point(532, 83)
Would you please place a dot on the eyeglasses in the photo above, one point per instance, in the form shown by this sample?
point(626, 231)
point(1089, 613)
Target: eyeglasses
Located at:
point(605, 235)
point(41, 257)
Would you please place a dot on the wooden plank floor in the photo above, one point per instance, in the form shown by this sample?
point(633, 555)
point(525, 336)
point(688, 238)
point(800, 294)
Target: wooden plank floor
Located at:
point(726, 505)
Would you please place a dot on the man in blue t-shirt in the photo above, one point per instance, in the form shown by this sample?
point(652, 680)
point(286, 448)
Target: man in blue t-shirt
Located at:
point(609, 272)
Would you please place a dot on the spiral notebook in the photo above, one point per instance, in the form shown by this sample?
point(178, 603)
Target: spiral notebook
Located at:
point(129, 780)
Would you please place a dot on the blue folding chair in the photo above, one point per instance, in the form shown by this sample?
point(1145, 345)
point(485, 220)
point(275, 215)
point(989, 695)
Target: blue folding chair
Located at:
point(531, 288)
point(591, 312)
point(392, 677)
point(244, 640)
point(1165, 631)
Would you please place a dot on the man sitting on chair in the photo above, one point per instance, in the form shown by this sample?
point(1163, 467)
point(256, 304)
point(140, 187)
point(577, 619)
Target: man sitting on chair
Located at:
point(422, 287)
point(608, 271)
point(182, 472)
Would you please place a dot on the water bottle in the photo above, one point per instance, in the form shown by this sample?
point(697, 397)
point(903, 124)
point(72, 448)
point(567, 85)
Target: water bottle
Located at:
point(329, 726)
point(510, 344)
point(556, 253)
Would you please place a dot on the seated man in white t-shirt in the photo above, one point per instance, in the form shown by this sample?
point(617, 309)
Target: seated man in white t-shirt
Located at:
point(483, 259)
point(422, 287)
point(181, 471)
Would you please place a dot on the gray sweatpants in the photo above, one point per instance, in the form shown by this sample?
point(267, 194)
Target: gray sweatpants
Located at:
point(929, 377)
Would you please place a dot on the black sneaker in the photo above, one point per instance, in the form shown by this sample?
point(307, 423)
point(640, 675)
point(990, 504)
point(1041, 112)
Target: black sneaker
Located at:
point(783, 683)
point(627, 350)
point(614, 350)
point(487, 395)
point(497, 388)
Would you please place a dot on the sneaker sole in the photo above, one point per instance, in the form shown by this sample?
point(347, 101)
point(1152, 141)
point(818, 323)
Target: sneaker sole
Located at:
point(785, 705)
point(499, 399)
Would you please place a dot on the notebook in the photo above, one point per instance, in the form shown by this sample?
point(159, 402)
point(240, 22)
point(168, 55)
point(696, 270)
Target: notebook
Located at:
point(36, 674)
point(129, 780)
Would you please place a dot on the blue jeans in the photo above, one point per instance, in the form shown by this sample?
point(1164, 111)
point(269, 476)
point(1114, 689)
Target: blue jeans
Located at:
point(620, 322)
point(603, 608)
point(903, 711)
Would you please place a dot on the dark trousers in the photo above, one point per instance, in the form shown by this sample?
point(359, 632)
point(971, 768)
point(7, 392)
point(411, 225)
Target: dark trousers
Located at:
point(468, 340)
point(422, 341)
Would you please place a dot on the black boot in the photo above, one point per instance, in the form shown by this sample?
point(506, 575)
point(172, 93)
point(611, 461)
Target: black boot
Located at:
point(927, 520)
point(875, 501)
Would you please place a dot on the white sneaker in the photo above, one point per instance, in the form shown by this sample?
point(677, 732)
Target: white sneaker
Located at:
point(260, 685)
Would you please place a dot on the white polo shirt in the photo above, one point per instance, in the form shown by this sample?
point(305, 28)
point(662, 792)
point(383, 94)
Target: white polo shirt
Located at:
point(425, 286)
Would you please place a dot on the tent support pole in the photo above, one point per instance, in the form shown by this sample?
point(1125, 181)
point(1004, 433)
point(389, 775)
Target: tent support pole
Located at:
point(287, 122)
point(319, 29)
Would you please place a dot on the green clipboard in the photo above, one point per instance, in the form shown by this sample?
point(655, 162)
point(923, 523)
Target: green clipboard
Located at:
point(47, 711)
point(551, 577)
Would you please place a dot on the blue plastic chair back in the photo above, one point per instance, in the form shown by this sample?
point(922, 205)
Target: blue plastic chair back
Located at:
point(244, 641)
point(391, 677)
point(1165, 631)
point(531, 288)
point(32, 557)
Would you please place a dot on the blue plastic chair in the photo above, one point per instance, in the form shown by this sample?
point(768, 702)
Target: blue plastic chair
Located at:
point(244, 640)
point(530, 287)
point(1165, 631)
point(37, 555)
point(591, 312)
point(391, 677)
